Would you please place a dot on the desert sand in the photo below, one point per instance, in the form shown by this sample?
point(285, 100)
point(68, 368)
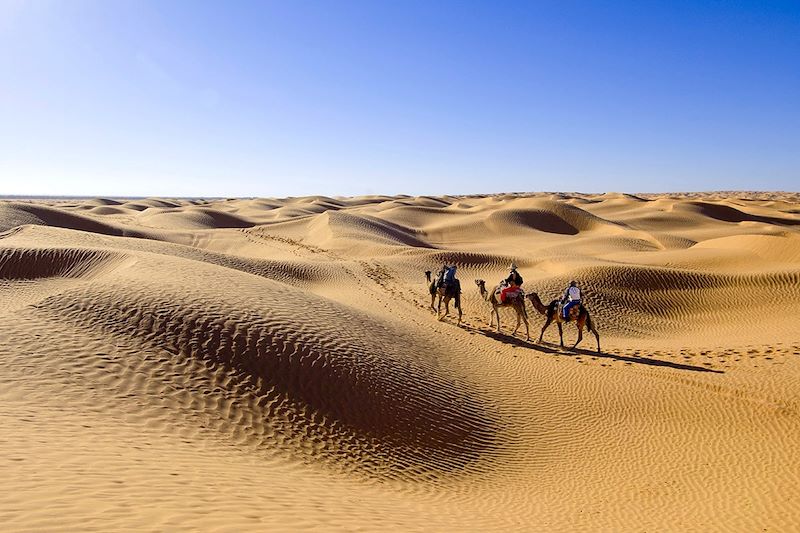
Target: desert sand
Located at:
point(273, 364)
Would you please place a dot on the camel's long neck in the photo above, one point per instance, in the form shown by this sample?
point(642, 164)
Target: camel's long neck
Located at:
point(484, 294)
point(537, 304)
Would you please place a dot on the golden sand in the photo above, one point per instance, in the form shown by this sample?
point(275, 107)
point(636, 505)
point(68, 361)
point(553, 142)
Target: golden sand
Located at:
point(274, 365)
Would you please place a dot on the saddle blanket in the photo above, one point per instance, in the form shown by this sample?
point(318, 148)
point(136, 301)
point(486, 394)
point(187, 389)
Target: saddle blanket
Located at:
point(510, 295)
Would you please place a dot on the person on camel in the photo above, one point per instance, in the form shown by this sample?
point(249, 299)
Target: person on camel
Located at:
point(512, 284)
point(449, 276)
point(572, 297)
point(446, 286)
point(440, 276)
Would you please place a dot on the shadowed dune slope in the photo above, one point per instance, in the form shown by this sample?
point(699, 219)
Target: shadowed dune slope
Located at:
point(13, 214)
point(371, 396)
point(511, 220)
point(727, 213)
point(28, 263)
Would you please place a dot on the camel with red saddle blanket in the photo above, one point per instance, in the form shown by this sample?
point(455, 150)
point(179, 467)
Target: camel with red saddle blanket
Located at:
point(516, 301)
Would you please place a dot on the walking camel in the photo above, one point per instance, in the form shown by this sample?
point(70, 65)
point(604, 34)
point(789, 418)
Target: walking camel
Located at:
point(577, 314)
point(518, 304)
point(445, 293)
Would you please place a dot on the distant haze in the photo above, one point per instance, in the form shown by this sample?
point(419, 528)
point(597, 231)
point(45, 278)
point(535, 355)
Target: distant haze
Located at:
point(178, 98)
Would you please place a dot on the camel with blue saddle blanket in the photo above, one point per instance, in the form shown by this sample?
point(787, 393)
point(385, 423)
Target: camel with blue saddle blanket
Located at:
point(447, 287)
point(576, 313)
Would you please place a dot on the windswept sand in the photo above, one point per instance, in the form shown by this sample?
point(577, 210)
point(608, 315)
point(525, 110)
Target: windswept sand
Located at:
point(273, 364)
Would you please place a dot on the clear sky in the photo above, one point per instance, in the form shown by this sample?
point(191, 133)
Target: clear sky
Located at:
point(289, 98)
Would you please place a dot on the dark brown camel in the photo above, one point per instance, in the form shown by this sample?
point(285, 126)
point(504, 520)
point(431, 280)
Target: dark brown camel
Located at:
point(517, 304)
point(446, 293)
point(577, 314)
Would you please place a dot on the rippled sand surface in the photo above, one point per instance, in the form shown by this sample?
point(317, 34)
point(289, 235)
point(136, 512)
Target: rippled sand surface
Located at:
point(256, 364)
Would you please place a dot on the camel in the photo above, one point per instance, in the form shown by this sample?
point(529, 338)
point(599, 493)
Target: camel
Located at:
point(578, 314)
point(445, 294)
point(518, 304)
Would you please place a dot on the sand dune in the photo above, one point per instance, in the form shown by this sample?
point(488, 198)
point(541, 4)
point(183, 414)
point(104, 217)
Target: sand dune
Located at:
point(195, 218)
point(19, 213)
point(252, 364)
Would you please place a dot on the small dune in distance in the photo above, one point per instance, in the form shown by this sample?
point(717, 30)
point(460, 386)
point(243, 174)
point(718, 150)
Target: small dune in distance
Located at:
point(275, 364)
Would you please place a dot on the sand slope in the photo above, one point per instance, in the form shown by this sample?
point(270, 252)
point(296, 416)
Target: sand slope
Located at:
point(263, 364)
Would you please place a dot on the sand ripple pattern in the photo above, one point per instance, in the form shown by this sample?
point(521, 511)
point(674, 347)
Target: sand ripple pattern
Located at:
point(331, 381)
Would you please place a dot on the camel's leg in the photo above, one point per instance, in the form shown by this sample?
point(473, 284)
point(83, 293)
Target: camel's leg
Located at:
point(527, 328)
point(458, 302)
point(446, 308)
point(497, 316)
point(517, 326)
point(580, 333)
point(560, 332)
point(590, 326)
point(546, 324)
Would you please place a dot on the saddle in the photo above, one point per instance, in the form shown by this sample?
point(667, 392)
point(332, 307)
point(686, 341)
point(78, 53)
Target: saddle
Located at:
point(511, 295)
point(574, 311)
point(451, 286)
point(516, 295)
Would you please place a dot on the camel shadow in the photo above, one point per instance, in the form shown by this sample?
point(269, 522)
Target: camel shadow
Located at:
point(554, 349)
point(506, 338)
point(549, 348)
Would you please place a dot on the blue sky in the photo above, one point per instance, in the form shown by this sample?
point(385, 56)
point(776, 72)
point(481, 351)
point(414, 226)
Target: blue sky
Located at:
point(195, 98)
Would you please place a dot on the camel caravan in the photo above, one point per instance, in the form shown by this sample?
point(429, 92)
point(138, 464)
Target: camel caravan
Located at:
point(508, 293)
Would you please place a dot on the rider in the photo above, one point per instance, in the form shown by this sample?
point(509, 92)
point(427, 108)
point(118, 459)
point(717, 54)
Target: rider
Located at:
point(450, 276)
point(440, 276)
point(572, 297)
point(512, 282)
point(447, 276)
